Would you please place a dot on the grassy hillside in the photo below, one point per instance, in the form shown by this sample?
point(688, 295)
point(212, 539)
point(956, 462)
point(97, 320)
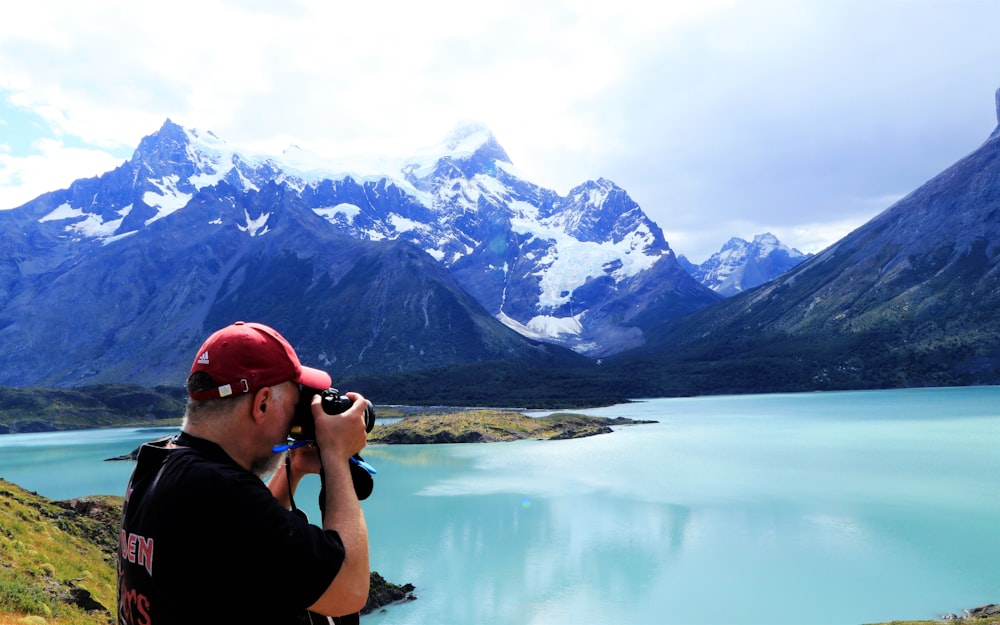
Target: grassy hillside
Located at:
point(56, 564)
point(30, 409)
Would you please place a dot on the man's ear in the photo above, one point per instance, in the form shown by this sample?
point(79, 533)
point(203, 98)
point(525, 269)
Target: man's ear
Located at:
point(258, 408)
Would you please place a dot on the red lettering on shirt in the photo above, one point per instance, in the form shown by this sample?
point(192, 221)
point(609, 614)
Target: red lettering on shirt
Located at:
point(133, 606)
point(137, 550)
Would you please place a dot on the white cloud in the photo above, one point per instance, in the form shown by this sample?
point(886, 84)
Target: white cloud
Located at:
point(712, 115)
point(54, 166)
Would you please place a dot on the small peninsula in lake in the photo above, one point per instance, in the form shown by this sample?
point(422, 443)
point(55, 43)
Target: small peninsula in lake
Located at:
point(489, 426)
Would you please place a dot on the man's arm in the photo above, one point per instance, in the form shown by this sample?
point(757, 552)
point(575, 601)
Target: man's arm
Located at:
point(348, 592)
point(342, 436)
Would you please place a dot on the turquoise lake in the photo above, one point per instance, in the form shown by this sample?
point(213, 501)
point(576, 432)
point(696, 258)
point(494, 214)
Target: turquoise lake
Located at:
point(840, 508)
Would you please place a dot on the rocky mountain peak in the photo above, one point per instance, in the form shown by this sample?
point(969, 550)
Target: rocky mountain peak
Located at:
point(468, 137)
point(469, 149)
point(165, 148)
point(740, 265)
point(766, 239)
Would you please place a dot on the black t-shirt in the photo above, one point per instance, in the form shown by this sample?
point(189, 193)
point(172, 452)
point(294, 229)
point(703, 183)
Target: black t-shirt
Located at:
point(204, 541)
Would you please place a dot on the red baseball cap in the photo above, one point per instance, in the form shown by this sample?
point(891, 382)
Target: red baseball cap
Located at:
point(245, 357)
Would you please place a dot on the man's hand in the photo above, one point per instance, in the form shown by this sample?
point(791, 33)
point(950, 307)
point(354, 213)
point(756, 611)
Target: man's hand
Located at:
point(341, 435)
point(305, 460)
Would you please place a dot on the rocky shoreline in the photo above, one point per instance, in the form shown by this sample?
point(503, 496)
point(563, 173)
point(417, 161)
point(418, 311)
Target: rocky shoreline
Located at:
point(982, 612)
point(988, 614)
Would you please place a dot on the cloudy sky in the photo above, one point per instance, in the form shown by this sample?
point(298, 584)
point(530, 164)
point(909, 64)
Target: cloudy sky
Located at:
point(720, 118)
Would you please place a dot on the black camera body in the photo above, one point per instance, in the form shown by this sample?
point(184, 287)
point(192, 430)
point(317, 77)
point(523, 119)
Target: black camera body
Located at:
point(303, 424)
point(303, 432)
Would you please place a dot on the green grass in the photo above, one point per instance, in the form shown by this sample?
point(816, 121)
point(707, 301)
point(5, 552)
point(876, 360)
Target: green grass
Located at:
point(48, 555)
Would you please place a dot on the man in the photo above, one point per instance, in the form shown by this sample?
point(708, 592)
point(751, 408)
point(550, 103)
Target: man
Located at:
point(203, 540)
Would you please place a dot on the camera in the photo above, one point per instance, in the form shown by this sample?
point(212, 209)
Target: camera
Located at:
point(303, 425)
point(303, 432)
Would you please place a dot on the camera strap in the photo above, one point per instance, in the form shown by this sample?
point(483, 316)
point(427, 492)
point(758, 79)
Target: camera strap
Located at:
point(288, 478)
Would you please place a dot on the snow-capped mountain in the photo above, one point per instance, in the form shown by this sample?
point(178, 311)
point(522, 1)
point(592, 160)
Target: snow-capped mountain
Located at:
point(741, 265)
point(574, 270)
point(382, 264)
